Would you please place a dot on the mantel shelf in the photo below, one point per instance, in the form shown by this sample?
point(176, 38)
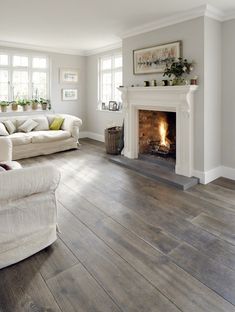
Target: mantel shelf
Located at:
point(176, 89)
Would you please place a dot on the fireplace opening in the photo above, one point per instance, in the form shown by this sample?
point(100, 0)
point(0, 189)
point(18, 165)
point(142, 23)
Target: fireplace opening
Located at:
point(157, 134)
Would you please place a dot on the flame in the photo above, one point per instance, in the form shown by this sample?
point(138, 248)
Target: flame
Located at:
point(163, 127)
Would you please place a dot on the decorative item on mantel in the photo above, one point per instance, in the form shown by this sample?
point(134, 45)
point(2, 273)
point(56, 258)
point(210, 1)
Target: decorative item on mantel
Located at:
point(179, 69)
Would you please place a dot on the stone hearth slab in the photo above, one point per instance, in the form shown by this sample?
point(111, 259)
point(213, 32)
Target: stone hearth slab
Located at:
point(155, 172)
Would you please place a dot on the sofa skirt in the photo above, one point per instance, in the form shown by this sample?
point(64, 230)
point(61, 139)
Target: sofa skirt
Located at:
point(37, 149)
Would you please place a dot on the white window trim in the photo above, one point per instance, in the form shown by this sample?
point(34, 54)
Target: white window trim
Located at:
point(30, 70)
point(112, 70)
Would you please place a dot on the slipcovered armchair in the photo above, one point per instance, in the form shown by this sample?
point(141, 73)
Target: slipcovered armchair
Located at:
point(28, 209)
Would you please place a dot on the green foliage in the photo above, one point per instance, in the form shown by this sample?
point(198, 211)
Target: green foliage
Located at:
point(178, 68)
point(4, 103)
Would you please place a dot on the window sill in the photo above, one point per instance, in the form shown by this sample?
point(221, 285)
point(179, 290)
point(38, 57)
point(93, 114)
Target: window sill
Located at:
point(28, 112)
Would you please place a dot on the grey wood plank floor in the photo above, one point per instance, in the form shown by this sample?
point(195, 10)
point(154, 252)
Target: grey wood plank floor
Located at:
point(128, 243)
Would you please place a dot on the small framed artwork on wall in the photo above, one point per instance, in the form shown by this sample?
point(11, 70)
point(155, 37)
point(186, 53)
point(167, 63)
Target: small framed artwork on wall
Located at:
point(68, 75)
point(69, 94)
point(154, 59)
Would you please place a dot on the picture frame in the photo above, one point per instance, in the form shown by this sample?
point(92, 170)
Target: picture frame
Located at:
point(154, 59)
point(113, 106)
point(69, 94)
point(68, 75)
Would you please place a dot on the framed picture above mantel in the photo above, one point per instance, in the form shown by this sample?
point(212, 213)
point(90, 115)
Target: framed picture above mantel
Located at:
point(154, 59)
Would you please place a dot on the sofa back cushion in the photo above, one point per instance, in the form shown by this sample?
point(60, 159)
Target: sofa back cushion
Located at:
point(43, 124)
point(3, 130)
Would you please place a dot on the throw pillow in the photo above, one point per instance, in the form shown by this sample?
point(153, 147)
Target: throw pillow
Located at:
point(9, 126)
point(3, 131)
point(56, 123)
point(5, 167)
point(28, 126)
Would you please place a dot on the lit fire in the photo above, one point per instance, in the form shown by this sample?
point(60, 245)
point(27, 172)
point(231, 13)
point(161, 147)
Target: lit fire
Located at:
point(163, 127)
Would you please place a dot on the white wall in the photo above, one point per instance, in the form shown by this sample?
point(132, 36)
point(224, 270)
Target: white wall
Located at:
point(228, 95)
point(212, 93)
point(97, 121)
point(77, 108)
point(192, 35)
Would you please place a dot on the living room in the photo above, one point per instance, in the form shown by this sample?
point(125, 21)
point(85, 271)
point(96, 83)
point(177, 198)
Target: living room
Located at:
point(117, 156)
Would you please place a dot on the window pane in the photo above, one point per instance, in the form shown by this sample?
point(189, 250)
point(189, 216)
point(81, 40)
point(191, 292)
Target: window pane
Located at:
point(20, 60)
point(118, 61)
point(20, 84)
point(3, 91)
point(39, 80)
point(4, 75)
point(106, 64)
point(39, 62)
point(3, 59)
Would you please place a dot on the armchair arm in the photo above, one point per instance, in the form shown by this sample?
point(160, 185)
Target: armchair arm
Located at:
point(15, 184)
point(72, 124)
point(5, 149)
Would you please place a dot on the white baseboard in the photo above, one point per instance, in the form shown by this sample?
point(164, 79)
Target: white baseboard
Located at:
point(228, 173)
point(91, 135)
point(213, 174)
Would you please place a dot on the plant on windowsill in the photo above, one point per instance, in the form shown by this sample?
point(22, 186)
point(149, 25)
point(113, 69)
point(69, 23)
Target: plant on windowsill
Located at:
point(14, 105)
point(4, 105)
point(24, 103)
point(179, 69)
point(34, 104)
point(45, 104)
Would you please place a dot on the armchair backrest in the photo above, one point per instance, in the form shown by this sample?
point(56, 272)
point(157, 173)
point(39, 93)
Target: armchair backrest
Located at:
point(5, 149)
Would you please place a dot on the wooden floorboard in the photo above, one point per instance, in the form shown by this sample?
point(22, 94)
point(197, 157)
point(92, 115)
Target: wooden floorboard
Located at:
point(128, 243)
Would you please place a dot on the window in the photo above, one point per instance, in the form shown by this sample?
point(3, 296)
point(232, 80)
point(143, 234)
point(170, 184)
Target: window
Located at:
point(23, 77)
point(110, 78)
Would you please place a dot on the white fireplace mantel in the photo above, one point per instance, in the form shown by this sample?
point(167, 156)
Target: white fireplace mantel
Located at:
point(177, 99)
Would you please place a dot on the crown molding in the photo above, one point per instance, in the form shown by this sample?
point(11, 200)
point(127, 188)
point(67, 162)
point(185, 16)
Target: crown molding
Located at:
point(9, 44)
point(110, 47)
point(229, 16)
point(201, 11)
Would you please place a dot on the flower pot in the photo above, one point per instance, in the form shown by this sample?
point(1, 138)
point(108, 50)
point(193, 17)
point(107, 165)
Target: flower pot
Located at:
point(25, 107)
point(14, 106)
point(44, 106)
point(34, 106)
point(3, 108)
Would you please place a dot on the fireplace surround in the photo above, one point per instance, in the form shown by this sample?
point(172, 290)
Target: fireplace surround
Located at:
point(178, 99)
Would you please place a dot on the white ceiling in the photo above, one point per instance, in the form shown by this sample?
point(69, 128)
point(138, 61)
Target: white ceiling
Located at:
point(84, 25)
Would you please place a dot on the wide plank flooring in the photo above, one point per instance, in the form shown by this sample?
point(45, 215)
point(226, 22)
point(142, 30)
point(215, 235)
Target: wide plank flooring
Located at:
point(128, 243)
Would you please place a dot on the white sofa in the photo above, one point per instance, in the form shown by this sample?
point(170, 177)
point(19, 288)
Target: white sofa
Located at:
point(28, 209)
point(42, 141)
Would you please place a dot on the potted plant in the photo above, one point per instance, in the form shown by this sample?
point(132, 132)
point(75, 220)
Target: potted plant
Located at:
point(34, 104)
point(178, 69)
point(44, 103)
point(24, 103)
point(4, 105)
point(14, 105)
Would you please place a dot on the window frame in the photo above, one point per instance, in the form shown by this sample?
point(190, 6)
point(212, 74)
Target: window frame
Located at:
point(113, 70)
point(28, 68)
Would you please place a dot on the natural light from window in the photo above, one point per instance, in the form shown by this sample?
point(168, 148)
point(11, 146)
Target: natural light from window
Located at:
point(23, 77)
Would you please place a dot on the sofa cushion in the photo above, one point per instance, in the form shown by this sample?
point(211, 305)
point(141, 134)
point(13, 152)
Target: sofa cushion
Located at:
point(20, 138)
point(49, 136)
point(3, 130)
point(11, 128)
point(28, 126)
point(43, 124)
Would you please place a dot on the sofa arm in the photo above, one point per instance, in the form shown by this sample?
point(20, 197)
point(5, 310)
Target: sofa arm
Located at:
point(71, 124)
point(5, 149)
point(15, 184)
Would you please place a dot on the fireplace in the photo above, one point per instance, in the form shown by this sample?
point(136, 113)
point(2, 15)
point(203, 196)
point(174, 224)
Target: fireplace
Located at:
point(157, 133)
point(178, 100)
